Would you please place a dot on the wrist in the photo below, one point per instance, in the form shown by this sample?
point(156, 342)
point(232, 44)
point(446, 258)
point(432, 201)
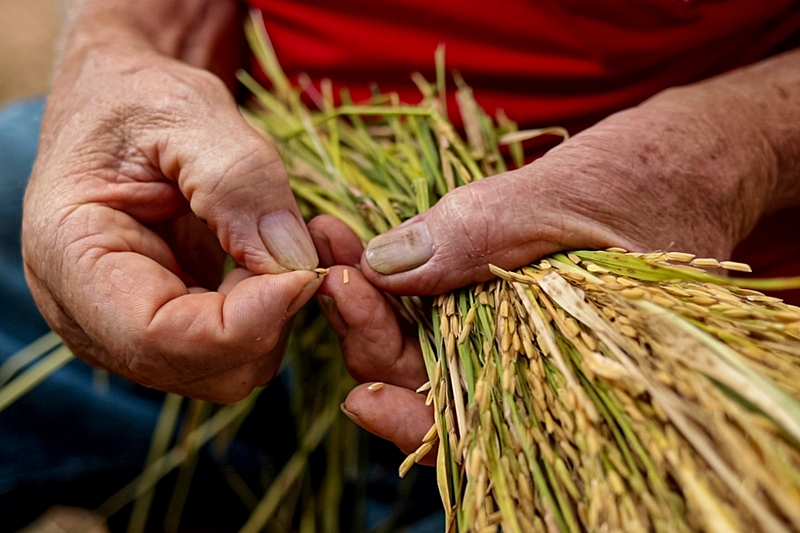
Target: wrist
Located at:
point(662, 174)
point(752, 110)
point(717, 139)
point(197, 32)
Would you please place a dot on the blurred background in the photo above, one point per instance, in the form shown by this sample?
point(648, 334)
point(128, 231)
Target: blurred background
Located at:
point(28, 35)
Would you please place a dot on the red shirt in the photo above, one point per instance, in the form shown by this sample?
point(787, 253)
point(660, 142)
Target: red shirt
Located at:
point(545, 62)
point(565, 62)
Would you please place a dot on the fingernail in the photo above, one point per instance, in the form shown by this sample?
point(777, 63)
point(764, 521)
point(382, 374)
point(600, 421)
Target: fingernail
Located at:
point(287, 241)
point(345, 411)
point(401, 249)
point(331, 311)
point(305, 295)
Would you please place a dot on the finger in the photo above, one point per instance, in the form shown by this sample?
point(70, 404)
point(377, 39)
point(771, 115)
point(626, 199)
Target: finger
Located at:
point(506, 220)
point(233, 278)
point(336, 243)
point(393, 413)
point(156, 331)
point(234, 181)
point(215, 332)
point(237, 383)
point(373, 343)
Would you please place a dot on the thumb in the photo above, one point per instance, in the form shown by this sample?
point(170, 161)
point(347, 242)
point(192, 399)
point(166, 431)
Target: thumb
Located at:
point(237, 184)
point(508, 220)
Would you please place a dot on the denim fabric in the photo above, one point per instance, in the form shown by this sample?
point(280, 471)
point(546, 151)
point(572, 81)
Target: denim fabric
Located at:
point(20, 322)
point(66, 427)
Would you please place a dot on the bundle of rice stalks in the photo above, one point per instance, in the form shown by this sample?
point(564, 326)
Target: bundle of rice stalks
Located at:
point(591, 391)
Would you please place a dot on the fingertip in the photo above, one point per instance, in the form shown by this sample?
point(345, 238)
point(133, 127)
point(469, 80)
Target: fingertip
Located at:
point(424, 280)
point(359, 303)
point(257, 307)
point(311, 283)
point(401, 249)
point(344, 244)
point(393, 413)
point(342, 278)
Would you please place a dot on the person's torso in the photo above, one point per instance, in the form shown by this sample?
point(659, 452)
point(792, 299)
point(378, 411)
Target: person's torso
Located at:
point(566, 62)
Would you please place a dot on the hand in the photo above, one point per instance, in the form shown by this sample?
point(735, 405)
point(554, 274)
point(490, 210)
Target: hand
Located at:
point(660, 176)
point(147, 174)
point(377, 344)
point(654, 177)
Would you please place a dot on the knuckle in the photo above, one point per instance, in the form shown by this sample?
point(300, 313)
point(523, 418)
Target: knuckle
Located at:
point(231, 179)
point(186, 88)
point(466, 215)
point(143, 368)
point(231, 394)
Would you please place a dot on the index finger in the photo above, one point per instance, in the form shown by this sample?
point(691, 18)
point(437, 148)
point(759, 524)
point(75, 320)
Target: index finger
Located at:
point(128, 299)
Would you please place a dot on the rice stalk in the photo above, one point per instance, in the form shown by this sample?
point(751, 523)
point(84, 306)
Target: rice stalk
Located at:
point(199, 411)
point(176, 456)
point(33, 376)
point(162, 436)
point(589, 391)
point(34, 351)
point(293, 469)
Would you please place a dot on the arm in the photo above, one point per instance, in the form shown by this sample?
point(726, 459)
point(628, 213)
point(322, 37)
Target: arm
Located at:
point(760, 107)
point(146, 175)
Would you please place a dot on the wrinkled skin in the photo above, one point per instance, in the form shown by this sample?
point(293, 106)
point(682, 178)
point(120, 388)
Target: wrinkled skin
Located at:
point(673, 173)
point(147, 174)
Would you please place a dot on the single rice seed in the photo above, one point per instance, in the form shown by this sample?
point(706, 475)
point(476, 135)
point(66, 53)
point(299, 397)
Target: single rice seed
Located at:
point(633, 293)
point(595, 269)
point(705, 262)
point(406, 465)
point(422, 451)
point(704, 300)
point(655, 257)
point(663, 301)
point(378, 385)
point(733, 265)
point(345, 276)
point(680, 257)
point(431, 435)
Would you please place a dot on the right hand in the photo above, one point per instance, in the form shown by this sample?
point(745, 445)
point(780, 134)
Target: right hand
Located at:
point(147, 174)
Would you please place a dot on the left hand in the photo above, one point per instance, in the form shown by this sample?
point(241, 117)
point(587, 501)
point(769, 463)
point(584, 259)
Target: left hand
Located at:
point(662, 175)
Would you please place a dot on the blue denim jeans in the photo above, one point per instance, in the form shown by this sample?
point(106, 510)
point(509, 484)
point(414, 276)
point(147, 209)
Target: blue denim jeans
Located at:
point(66, 429)
point(20, 323)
